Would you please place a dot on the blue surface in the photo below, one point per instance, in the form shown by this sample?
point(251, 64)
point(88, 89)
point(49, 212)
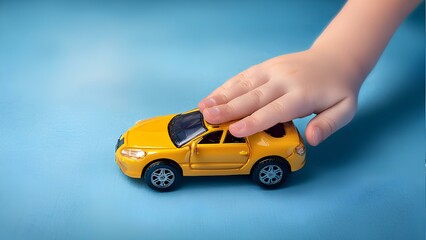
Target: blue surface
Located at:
point(74, 76)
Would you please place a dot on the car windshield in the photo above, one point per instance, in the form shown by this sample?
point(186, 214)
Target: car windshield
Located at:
point(184, 127)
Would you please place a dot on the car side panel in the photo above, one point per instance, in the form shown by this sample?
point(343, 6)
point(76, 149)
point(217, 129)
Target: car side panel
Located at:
point(260, 145)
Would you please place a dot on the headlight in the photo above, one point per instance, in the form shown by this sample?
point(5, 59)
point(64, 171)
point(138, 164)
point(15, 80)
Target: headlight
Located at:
point(133, 153)
point(300, 149)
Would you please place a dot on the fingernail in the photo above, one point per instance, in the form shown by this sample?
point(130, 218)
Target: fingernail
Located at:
point(238, 126)
point(214, 111)
point(317, 135)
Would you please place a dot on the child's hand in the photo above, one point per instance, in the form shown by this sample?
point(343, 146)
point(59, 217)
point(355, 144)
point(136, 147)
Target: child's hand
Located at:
point(287, 87)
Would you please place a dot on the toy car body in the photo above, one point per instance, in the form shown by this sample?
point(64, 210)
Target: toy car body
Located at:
point(162, 149)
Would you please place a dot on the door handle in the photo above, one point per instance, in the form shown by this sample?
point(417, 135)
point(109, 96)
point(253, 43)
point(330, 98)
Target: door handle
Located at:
point(243, 153)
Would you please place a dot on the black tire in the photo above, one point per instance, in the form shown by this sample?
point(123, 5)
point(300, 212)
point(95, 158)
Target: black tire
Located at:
point(271, 173)
point(162, 176)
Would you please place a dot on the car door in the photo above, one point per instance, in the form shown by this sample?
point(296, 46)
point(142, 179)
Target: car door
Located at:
point(215, 151)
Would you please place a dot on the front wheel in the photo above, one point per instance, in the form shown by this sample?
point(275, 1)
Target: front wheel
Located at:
point(162, 176)
point(271, 172)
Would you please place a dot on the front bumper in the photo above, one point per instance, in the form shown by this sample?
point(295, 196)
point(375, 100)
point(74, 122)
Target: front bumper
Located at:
point(130, 167)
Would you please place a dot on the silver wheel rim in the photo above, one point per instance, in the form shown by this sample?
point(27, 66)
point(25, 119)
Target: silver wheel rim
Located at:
point(270, 174)
point(162, 178)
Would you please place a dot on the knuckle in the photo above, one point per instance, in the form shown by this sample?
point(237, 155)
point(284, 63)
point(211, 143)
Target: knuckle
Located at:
point(330, 124)
point(257, 95)
point(245, 84)
point(221, 98)
point(244, 74)
point(229, 109)
point(244, 79)
point(277, 107)
point(252, 122)
point(223, 88)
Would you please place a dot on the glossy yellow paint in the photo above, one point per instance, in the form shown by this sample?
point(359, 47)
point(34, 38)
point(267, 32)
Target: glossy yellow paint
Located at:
point(198, 159)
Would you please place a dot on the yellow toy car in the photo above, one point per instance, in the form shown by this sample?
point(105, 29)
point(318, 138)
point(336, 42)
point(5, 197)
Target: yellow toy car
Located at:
point(163, 149)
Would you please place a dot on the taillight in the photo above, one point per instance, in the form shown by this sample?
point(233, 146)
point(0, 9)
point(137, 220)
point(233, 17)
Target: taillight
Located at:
point(300, 149)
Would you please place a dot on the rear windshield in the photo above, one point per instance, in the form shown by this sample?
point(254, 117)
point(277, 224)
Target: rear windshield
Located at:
point(276, 131)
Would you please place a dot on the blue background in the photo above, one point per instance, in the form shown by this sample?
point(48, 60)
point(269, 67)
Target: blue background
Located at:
point(75, 75)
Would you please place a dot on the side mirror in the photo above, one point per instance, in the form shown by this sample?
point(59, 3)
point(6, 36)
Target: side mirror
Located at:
point(194, 148)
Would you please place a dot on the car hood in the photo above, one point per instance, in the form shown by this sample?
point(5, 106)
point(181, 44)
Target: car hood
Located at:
point(151, 133)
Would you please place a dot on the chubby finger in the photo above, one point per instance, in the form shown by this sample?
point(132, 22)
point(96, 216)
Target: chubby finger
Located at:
point(329, 121)
point(243, 105)
point(284, 109)
point(236, 86)
point(251, 72)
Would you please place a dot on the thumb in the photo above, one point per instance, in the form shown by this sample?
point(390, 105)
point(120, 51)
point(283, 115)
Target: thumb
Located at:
point(329, 121)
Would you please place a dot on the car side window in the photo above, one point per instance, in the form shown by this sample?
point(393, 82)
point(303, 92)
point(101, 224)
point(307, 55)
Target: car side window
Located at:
point(276, 131)
point(232, 139)
point(212, 138)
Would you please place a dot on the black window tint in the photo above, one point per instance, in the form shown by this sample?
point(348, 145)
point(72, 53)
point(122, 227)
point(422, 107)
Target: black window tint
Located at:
point(232, 139)
point(184, 127)
point(213, 137)
point(276, 131)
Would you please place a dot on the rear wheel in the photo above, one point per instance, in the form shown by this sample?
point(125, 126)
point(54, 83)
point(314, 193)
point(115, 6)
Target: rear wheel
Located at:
point(271, 172)
point(162, 176)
